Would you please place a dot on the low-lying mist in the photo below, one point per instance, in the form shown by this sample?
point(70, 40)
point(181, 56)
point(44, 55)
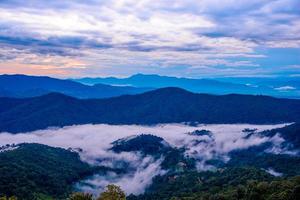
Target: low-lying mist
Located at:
point(94, 142)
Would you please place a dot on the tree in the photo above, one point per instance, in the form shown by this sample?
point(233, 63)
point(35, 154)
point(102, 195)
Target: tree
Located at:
point(296, 193)
point(8, 198)
point(112, 192)
point(81, 196)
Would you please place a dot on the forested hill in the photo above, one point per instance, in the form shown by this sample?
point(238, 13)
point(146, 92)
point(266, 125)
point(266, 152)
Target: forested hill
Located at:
point(30, 170)
point(159, 106)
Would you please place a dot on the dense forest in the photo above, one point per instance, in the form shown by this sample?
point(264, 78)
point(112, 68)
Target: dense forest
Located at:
point(165, 105)
point(224, 184)
point(33, 171)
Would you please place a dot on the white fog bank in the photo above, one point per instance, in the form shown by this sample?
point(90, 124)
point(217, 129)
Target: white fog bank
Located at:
point(95, 140)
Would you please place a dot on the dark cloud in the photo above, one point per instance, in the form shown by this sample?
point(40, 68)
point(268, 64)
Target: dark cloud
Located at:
point(54, 4)
point(65, 41)
point(61, 46)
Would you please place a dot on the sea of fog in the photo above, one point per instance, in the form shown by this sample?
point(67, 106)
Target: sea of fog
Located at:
point(95, 142)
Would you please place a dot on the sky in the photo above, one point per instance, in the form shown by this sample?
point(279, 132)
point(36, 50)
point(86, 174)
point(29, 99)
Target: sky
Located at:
point(183, 38)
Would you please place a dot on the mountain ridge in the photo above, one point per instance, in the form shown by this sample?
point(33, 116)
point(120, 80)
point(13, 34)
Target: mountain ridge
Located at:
point(19, 85)
point(203, 85)
point(166, 105)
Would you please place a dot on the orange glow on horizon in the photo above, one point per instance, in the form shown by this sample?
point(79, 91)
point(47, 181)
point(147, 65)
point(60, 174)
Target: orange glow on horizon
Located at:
point(70, 68)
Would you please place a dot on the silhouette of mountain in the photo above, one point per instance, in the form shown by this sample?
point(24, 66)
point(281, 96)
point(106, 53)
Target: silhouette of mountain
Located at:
point(265, 86)
point(31, 86)
point(159, 106)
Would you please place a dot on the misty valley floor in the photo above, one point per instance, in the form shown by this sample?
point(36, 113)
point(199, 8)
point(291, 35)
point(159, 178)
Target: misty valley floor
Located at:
point(133, 155)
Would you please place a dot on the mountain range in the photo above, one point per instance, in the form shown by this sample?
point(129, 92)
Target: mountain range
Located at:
point(30, 86)
point(166, 105)
point(278, 87)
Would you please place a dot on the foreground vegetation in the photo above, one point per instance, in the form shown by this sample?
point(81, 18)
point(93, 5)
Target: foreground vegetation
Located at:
point(230, 184)
point(112, 192)
point(226, 184)
point(35, 171)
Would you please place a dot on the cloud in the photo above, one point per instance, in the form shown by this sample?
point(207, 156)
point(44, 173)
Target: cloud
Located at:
point(95, 142)
point(285, 88)
point(134, 183)
point(151, 35)
point(279, 147)
point(273, 172)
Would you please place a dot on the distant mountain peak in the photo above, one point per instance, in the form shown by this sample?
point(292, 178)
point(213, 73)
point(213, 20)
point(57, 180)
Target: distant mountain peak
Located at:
point(170, 90)
point(140, 75)
point(56, 95)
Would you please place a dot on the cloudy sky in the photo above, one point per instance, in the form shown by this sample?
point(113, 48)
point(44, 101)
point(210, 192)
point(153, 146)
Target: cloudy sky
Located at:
point(191, 38)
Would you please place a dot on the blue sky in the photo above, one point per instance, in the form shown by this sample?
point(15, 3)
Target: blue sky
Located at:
point(190, 38)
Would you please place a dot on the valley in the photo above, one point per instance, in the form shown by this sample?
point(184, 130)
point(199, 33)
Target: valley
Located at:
point(140, 158)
